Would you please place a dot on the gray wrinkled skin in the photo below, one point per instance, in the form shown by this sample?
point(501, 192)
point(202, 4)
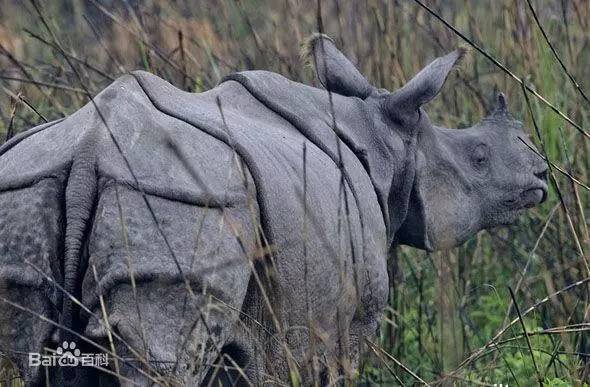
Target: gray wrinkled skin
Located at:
point(207, 235)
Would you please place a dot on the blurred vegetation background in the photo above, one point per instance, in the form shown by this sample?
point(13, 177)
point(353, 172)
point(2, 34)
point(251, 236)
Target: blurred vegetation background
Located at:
point(449, 316)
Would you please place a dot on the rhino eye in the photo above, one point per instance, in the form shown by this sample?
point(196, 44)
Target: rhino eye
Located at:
point(480, 156)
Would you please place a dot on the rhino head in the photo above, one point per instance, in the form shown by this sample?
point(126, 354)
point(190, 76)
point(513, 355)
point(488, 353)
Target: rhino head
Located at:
point(457, 181)
point(472, 179)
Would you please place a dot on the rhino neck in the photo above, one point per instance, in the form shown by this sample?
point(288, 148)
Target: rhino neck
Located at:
point(391, 160)
point(448, 213)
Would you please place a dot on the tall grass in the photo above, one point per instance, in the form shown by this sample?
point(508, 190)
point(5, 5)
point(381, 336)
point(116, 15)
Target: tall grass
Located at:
point(447, 308)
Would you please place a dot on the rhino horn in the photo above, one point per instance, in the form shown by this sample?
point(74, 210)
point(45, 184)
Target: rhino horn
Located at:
point(501, 105)
point(501, 108)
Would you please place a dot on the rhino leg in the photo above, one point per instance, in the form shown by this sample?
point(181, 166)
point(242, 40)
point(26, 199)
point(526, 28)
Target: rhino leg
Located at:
point(168, 330)
point(31, 232)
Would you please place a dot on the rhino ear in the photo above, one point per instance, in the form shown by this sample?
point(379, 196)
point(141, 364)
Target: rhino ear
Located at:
point(426, 84)
point(334, 70)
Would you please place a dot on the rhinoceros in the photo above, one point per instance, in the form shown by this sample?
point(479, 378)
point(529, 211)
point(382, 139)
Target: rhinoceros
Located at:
point(239, 234)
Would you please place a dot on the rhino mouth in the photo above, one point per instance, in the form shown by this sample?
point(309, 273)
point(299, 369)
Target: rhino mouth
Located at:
point(527, 198)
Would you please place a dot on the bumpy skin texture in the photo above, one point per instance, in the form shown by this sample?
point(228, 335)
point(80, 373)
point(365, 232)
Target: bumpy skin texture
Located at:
point(251, 221)
point(175, 325)
point(36, 241)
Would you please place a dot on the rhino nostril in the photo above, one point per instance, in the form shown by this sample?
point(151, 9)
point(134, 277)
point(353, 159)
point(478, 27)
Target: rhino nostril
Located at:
point(542, 175)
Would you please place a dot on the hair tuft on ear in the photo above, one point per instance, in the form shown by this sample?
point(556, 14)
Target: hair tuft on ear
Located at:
point(334, 71)
point(307, 46)
point(462, 51)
